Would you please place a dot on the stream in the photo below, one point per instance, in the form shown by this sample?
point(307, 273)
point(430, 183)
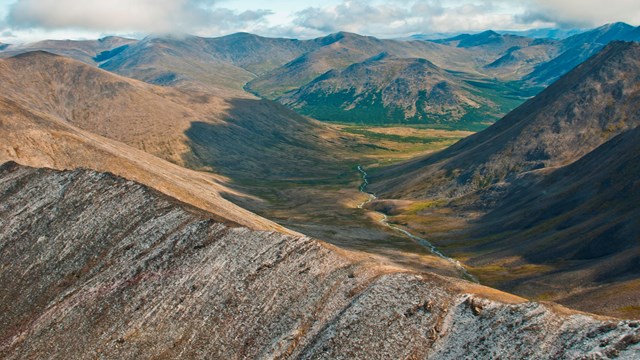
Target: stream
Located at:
point(420, 241)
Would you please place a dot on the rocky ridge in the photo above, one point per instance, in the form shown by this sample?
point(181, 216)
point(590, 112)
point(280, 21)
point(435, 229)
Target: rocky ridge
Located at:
point(99, 266)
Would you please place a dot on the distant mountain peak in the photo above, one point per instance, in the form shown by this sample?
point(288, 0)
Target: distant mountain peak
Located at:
point(342, 35)
point(483, 38)
point(617, 25)
point(243, 34)
point(605, 34)
point(36, 54)
point(488, 33)
point(112, 38)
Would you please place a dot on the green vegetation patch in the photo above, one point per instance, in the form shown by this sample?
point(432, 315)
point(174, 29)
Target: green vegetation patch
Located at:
point(392, 137)
point(417, 207)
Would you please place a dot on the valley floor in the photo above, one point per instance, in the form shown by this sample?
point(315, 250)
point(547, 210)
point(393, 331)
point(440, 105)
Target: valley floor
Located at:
point(326, 206)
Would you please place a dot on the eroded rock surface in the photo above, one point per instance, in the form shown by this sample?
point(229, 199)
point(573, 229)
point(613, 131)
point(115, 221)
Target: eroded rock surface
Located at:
point(96, 266)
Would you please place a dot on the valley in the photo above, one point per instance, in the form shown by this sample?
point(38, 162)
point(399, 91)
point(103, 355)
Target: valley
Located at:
point(325, 206)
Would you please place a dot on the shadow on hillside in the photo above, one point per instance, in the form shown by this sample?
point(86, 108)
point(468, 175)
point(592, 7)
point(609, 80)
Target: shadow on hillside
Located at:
point(261, 140)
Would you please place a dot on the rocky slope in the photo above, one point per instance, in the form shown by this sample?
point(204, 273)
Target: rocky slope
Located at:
point(590, 105)
point(584, 216)
point(387, 89)
point(109, 268)
point(548, 194)
point(34, 138)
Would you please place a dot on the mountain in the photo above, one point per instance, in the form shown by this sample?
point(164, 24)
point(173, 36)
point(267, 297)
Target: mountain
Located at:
point(548, 194)
point(432, 36)
point(486, 39)
point(343, 49)
point(387, 89)
point(548, 33)
point(603, 35)
point(61, 113)
point(519, 61)
point(585, 108)
point(491, 58)
point(585, 216)
point(259, 54)
point(35, 138)
point(141, 115)
point(545, 33)
point(88, 51)
point(207, 63)
point(130, 273)
point(200, 130)
point(539, 61)
point(295, 83)
point(578, 48)
point(505, 56)
point(210, 63)
point(275, 68)
point(178, 61)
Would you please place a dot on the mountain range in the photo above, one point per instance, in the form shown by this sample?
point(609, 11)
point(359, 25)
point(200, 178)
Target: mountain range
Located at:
point(282, 69)
point(127, 168)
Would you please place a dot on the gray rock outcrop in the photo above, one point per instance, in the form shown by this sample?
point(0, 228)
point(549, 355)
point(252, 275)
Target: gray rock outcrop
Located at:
point(96, 266)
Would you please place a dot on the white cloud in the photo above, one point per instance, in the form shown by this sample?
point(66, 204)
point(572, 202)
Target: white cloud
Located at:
point(151, 16)
point(583, 12)
point(395, 18)
point(403, 17)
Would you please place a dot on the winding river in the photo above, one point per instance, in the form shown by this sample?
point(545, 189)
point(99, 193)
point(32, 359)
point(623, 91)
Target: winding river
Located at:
point(420, 241)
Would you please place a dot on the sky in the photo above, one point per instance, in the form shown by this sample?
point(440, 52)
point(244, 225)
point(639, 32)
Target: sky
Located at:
point(31, 20)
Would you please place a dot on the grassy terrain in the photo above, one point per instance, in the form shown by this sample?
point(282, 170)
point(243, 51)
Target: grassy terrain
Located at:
point(325, 205)
point(389, 144)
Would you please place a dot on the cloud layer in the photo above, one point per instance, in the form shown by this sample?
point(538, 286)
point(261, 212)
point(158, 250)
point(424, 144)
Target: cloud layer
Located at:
point(385, 18)
point(151, 16)
point(567, 13)
point(397, 17)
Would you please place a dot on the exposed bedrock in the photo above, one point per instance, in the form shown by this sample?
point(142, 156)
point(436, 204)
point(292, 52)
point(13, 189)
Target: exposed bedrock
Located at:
point(96, 266)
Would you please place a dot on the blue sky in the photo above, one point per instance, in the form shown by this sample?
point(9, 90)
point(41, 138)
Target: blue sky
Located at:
point(28, 20)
